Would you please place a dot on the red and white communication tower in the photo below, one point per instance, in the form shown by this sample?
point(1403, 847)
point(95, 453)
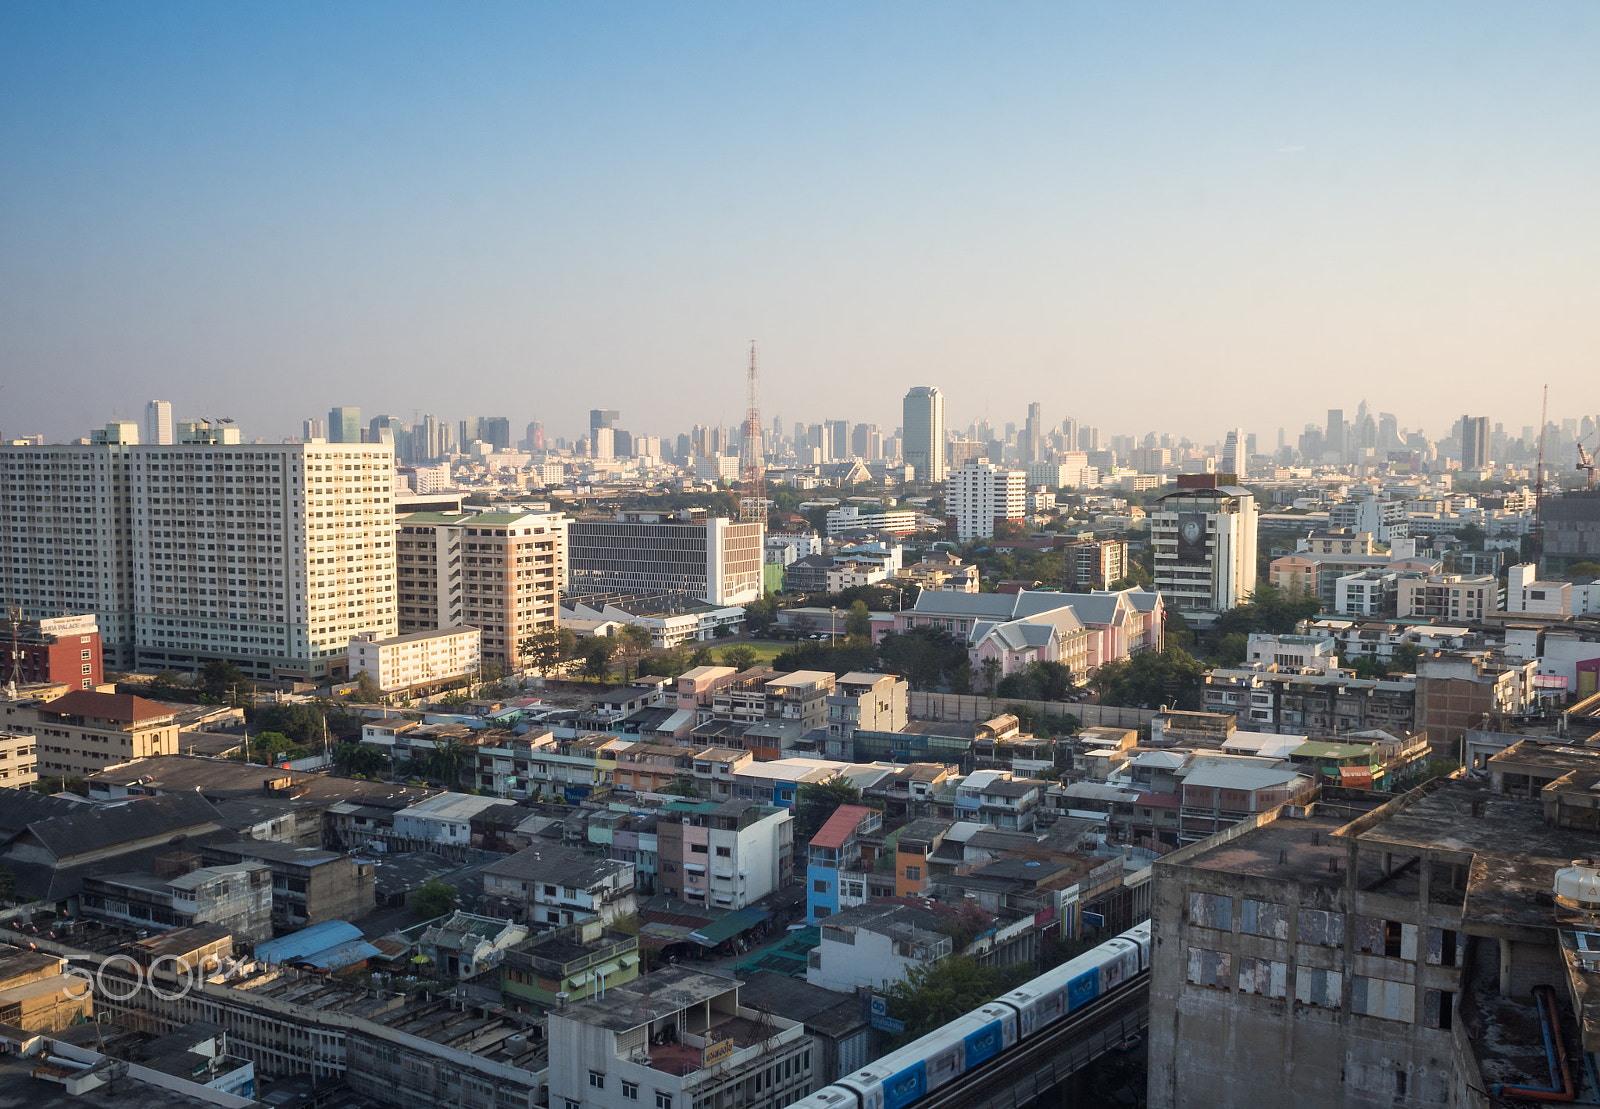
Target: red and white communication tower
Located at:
point(752, 464)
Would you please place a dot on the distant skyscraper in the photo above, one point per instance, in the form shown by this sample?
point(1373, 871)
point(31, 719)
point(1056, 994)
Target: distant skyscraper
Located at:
point(602, 417)
point(496, 431)
point(313, 428)
point(1233, 455)
point(344, 425)
point(1032, 435)
point(923, 448)
point(158, 427)
point(1333, 438)
point(1473, 431)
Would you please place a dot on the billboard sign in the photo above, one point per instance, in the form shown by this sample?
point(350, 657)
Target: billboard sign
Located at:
point(1192, 538)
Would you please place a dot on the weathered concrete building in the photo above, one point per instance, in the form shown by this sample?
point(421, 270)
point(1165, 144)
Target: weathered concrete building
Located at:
point(1352, 954)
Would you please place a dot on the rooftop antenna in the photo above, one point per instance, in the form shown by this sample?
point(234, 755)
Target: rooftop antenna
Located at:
point(753, 474)
point(1538, 484)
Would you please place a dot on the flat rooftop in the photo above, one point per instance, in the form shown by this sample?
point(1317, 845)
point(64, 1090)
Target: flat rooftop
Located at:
point(1291, 850)
point(626, 1007)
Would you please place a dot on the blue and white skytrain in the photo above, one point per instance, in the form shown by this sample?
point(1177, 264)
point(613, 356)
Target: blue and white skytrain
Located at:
point(902, 1077)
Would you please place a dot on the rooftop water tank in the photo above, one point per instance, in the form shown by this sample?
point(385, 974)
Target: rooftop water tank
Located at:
point(1578, 886)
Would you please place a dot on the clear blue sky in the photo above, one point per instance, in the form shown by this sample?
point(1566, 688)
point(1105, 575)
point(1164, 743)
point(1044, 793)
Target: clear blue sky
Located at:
point(1174, 216)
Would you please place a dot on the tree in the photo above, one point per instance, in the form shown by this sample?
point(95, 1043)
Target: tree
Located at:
point(741, 656)
point(446, 762)
point(1404, 658)
point(859, 621)
point(1231, 649)
point(935, 994)
point(1150, 679)
point(542, 649)
point(702, 657)
point(433, 899)
point(366, 690)
point(814, 802)
point(365, 759)
point(681, 786)
point(1584, 569)
point(1367, 667)
point(761, 614)
point(927, 658)
point(597, 660)
point(990, 667)
point(165, 683)
point(223, 680)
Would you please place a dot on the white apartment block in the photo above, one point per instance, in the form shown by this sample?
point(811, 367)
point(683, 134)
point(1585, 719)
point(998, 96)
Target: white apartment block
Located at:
point(500, 572)
point(1446, 596)
point(979, 494)
point(850, 517)
point(268, 556)
point(1205, 546)
point(416, 661)
point(1525, 593)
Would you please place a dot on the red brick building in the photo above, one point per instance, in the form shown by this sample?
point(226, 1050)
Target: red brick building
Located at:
point(57, 649)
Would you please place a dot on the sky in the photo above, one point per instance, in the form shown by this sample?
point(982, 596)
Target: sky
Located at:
point(1153, 217)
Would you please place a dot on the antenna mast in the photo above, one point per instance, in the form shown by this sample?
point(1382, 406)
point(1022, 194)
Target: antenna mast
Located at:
point(1538, 484)
point(752, 465)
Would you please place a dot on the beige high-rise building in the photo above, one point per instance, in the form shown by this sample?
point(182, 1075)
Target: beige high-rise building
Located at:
point(500, 572)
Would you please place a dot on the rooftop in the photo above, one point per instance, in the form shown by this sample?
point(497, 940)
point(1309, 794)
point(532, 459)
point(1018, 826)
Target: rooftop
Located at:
point(639, 1002)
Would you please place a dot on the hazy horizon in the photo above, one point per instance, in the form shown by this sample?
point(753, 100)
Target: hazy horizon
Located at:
point(1175, 218)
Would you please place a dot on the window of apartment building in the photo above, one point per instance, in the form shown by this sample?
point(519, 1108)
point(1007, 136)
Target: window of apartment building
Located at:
point(663, 1101)
point(570, 1104)
point(630, 1090)
point(1263, 977)
point(1213, 969)
point(1444, 947)
point(914, 873)
point(1318, 987)
point(697, 848)
point(1438, 1009)
point(1264, 918)
point(1211, 910)
point(1322, 928)
point(819, 886)
point(1378, 997)
point(597, 1080)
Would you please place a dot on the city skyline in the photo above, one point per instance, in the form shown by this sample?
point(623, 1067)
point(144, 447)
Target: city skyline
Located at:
point(263, 214)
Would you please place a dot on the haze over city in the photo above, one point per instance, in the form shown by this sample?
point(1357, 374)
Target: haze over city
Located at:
point(1175, 217)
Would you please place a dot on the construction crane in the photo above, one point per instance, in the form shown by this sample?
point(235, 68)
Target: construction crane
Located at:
point(1586, 462)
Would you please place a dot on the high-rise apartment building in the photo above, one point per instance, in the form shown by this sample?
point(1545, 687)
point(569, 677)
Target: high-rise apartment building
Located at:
point(499, 572)
point(1473, 432)
point(313, 428)
point(677, 558)
point(267, 556)
point(344, 425)
point(980, 495)
point(1205, 545)
point(922, 444)
point(158, 426)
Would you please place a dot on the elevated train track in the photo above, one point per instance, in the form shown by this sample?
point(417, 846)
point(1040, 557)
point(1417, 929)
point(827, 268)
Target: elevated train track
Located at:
point(1042, 1062)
